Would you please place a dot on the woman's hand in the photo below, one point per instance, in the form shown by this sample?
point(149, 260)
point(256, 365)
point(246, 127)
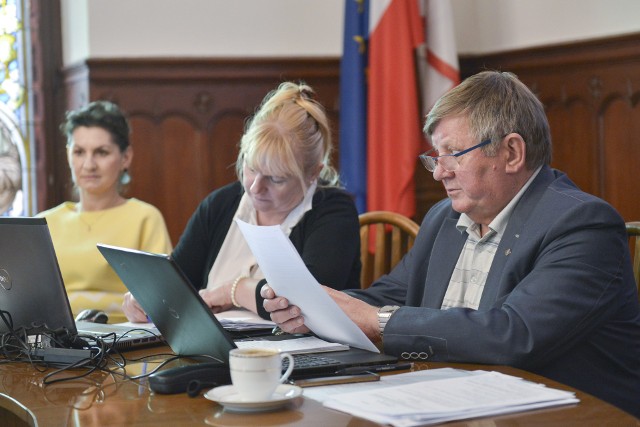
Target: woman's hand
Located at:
point(132, 309)
point(287, 317)
point(218, 297)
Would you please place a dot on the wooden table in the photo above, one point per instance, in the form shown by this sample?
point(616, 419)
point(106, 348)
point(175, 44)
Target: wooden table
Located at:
point(102, 399)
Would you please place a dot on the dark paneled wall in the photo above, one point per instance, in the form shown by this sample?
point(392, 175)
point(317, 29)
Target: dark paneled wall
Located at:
point(590, 91)
point(188, 114)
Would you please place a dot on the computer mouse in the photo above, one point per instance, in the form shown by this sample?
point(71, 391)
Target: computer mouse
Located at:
point(92, 315)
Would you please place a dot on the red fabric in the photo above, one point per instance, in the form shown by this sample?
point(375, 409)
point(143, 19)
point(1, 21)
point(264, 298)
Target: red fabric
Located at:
point(394, 119)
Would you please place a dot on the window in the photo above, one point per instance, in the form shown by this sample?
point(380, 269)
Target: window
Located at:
point(16, 151)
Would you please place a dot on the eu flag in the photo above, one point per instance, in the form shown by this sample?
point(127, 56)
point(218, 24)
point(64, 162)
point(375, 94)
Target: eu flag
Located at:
point(353, 101)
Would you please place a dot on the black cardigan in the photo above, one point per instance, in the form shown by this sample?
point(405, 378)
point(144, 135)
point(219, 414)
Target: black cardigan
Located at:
point(327, 237)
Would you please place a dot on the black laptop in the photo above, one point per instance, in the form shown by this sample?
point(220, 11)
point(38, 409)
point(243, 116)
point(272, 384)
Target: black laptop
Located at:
point(186, 322)
point(32, 293)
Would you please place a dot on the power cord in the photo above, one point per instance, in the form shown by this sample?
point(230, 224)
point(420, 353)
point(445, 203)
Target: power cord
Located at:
point(75, 356)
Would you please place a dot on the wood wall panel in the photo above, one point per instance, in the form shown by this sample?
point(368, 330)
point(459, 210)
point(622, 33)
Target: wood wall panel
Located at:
point(228, 127)
point(187, 117)
point(590, 91)
point(580, 154)
point(167, 171)
point(621, 161)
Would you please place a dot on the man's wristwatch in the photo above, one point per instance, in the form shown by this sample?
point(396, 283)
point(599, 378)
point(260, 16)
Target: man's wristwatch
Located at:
point(384, 313)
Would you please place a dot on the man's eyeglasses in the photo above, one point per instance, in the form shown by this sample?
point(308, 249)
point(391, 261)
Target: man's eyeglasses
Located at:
point(448, 162)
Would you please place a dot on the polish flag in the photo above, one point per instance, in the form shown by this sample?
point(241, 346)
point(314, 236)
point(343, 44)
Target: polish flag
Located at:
point(437, 57)
point(396, 30)
point(399, 58)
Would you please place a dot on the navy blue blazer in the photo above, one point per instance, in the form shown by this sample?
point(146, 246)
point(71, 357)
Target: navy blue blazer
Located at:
point(560, 299)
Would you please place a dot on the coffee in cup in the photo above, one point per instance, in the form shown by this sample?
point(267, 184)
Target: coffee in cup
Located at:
point(256, 372)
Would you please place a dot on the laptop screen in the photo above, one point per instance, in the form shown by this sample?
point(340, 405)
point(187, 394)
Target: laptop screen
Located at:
point(174, 306)
point(32, 292)
point(187, 323)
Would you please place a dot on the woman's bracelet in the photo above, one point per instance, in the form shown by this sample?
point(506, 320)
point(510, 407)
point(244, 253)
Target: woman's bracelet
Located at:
point(233, 291)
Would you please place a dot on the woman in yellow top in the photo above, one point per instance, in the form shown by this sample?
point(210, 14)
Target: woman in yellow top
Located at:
point(99, 156)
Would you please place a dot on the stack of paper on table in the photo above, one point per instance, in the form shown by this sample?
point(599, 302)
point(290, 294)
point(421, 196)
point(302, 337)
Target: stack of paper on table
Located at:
point(462, 396)
point(231, 320)
point(242, 320)
point(308, 344)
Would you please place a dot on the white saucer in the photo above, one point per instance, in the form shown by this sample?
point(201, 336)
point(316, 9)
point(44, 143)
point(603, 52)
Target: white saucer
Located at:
point(228, 397)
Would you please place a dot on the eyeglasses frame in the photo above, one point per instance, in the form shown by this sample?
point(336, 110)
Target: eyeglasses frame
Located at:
point(425, 157)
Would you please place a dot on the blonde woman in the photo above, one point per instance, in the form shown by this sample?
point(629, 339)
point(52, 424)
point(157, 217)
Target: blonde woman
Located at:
point(284, 178)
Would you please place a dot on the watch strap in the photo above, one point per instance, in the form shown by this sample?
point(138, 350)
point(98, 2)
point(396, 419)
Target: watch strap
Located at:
point(384, 314)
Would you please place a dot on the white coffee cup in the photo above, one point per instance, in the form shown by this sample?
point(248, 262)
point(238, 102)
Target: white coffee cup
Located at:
point(256, 372)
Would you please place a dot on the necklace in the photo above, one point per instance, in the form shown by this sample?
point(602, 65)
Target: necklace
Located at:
point(83, 218)
point(95, 215)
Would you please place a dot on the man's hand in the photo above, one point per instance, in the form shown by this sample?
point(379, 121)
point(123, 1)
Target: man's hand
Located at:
point(362, 314)
point(289, 318)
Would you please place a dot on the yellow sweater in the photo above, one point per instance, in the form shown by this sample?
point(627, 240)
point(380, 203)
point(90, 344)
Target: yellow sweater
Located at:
point(88, 278)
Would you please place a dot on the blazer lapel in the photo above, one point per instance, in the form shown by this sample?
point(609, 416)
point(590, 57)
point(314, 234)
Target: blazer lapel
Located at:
point(444, 256)
point(516, 230)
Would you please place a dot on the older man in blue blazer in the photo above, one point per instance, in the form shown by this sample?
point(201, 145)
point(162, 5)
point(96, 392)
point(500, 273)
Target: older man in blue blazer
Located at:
point(516, 267)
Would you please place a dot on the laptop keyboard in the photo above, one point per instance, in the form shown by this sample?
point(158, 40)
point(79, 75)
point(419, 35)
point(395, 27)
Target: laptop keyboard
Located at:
point(302, 361)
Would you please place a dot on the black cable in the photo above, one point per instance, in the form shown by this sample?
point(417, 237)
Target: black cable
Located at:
point(22, 345)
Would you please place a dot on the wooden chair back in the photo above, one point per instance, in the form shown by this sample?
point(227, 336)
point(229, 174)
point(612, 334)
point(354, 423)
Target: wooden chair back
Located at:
point(633, 230)
point(384, 239)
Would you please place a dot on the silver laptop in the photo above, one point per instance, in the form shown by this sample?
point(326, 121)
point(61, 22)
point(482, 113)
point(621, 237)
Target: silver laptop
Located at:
point(123, 337)
point(33, 298)
point(186, 322)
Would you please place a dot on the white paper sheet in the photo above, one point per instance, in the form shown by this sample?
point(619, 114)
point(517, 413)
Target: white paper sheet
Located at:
point(289, 277)
point(430, 402)
point(294, 346)
point(241, 320)
point(327, 392)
